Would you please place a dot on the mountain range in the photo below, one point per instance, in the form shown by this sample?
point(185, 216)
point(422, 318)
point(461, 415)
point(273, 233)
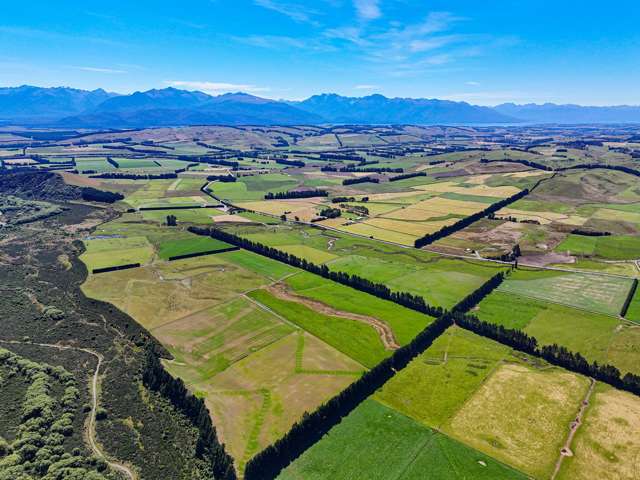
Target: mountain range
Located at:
point(73, 108)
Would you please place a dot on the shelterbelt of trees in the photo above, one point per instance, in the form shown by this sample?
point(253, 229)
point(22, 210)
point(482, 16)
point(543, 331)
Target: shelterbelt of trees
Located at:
point(268, 463)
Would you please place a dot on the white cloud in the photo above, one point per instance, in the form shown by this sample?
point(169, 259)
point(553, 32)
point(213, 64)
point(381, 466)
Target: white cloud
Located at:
point(472, 84)
point(366, 87)
point(216, 88)
point(367, 9)
point(296, 12)
point(100, 70)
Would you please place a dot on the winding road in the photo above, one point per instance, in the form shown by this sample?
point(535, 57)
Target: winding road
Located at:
point(91, 430)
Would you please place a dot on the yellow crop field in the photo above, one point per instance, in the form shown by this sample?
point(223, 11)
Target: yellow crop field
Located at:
point(527, 174)
point(410, 228)
point(546, 218)
point(379, 233)
point(305, 210)
point(477, 179)
point(436, 207)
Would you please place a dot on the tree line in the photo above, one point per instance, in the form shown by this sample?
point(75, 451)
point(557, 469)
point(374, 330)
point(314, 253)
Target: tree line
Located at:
point(466, 221)
point(630, 295)
point(353, 181)
point(296, 194)
point(353, 169)
point(592, 166)
point(330, 212)
point(415, 302)
point(221, 178)
point(91, 194)
point(291, 163)
point(407, 175)
point(137, 176)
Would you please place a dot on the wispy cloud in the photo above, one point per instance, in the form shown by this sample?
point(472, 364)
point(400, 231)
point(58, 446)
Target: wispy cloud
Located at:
point(366, 87)
point(58, 36)
point(368, 9)
point(281, 42)
point(472, 84)
point(295, 11)
point(100, 70)
point(216, 88)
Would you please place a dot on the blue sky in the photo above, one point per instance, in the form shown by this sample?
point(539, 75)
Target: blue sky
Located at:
point(484, 52)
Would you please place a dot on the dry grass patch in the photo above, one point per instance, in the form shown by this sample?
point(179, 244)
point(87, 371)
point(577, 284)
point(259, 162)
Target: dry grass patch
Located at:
point(521, 416)
point(379, 233)
point(607, 445)
point(409, 228)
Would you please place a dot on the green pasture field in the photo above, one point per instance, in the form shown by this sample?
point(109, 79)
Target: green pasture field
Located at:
point(136, 163)
point(188, 215)
point(441, 281)
point(597, 337)
point(112, 252)
point(595, 293)
point(183, 184)
point(258, 264)
point(355, 339)
point(633, 312)
point(436, 384)
point(252, 188)
point(376, 442)
point(614, 247)
point(191, 245)
point(99, 165)
point(405, 323)
point(312, 254)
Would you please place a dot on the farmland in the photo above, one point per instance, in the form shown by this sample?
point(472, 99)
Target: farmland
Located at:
point(263, 345)
point(455, 396)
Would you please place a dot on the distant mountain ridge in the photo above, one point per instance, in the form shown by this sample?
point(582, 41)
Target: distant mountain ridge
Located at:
point(74, 108)
point(380, 109)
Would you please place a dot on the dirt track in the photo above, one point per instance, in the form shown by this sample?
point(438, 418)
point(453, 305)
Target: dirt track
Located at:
point(387, 337)
point(573, 428)
point(91, 424)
